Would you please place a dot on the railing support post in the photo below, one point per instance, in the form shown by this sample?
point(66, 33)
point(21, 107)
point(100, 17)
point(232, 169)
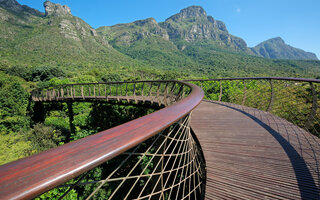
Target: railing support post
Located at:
point(271, 97)
point(134, 93)
point(165, 96)
point(244, 92)
point(180, 93)
point(142, 94)
point(82, 92)
point(99, 90)
point(62, 93)
point(313, 111)
point(158, 94)
point(220, 95)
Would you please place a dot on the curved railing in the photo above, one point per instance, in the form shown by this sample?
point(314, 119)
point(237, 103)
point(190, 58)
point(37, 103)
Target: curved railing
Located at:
point(155, 156)
point(294, 99)
point(152, 157)
point(152, 92)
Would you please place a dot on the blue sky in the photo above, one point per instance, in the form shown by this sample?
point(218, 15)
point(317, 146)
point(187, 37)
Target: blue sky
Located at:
point(296, 21)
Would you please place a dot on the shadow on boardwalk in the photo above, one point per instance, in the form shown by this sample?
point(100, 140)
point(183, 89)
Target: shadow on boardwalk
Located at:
point(288, 156)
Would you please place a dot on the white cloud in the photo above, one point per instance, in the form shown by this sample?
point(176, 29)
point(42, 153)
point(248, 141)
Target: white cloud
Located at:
point(238, 10)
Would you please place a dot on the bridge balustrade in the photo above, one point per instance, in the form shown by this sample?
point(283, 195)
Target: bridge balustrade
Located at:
point(153, 157)
point(294, 99)
point(156, 156)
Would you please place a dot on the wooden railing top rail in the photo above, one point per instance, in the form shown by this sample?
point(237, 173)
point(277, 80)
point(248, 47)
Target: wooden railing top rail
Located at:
point(188, 80)
point(112, 83)
point(31, 176)
point(259, 78)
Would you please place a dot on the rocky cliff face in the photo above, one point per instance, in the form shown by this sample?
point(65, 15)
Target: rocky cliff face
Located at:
point(51, 37)
point(56, 9)
point(175, 40)
point(14, 6)
point(192, 24)
point(276, 48)
point(126, 34)
point(70, 27)
point(187, 13)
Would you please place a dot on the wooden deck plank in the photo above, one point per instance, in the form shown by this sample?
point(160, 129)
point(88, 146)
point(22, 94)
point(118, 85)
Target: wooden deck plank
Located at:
point(251, 154)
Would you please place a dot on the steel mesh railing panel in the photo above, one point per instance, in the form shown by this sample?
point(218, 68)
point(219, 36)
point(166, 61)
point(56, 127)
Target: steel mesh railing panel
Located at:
point(160, 92)
point(292, 99)
point(167, 166)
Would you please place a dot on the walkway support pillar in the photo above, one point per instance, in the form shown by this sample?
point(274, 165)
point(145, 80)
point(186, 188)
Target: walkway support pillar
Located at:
point(38, 113)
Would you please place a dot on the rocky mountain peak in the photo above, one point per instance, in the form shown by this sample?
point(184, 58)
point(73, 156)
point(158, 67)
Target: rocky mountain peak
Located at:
point(53, 9)
point(276, 48)
point(278, 40)
point(192, 25)
point(146, 21)
point(189, 12)
point(12, 5)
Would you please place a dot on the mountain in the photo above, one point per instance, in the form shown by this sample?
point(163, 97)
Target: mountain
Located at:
point(193, 25)
point(146, 41)
point(189, 42)
point(14, 6)
point(276, 48)
point(127, 34)
point(177, 41)
point(190, 25)
point(55, 37)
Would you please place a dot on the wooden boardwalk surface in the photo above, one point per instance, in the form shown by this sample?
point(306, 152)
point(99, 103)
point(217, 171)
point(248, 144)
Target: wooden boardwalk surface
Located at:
point(251, 154)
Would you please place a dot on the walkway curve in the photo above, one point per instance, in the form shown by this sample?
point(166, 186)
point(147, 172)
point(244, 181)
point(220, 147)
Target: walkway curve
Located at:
point(251, 154)
point(29, 177)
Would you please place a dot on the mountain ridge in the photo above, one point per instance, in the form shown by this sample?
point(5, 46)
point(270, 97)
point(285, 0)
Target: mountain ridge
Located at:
point(276, 48)
point(14, 6)
point(189, 42)
point(56, 37)
point(192, 24)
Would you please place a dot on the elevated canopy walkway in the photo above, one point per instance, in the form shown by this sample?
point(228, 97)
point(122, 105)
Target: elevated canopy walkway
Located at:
point(251, 139)
point(252, 154)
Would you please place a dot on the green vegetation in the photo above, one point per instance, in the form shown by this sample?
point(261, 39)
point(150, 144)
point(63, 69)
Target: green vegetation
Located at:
point(14, 100)
point(13, 146)
point(40, 51)
point(68, 44)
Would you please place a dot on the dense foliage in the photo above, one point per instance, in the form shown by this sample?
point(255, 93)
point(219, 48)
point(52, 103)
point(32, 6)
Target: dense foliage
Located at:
point(35, 53)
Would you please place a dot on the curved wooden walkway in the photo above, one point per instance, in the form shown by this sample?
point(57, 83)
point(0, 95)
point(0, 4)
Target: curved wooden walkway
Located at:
point(251, 154)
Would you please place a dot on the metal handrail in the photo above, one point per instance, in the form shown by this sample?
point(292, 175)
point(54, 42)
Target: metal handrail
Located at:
point(257, 78)
point(294, 99)
point(31, 176)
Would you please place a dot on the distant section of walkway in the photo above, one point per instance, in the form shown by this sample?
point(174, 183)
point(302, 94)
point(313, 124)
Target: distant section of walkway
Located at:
point(251, 154)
